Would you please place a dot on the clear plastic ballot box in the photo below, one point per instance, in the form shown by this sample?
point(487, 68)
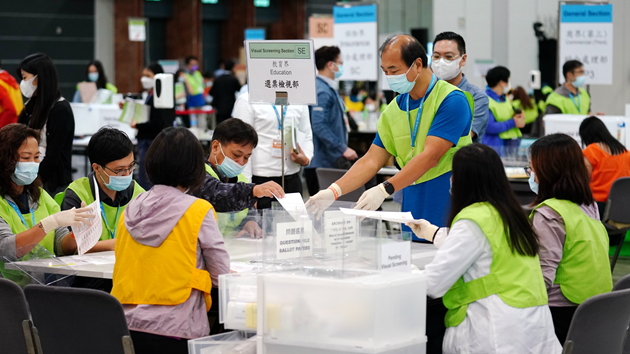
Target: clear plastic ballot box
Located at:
point(232, 342)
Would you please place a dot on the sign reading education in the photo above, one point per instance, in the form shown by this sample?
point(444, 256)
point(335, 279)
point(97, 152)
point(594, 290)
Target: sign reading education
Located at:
point(281, 66)
point(586, 34)
point(356, 36)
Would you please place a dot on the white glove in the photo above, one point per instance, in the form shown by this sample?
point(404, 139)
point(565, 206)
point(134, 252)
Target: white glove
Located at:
point(423, 229)
point(372, 198)
point(70, 217)
point(323, 199)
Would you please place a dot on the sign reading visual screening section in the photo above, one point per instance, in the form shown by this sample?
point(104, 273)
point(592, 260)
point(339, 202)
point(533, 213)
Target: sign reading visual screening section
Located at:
point(586, 34)
point(356, 37)
point(281, 66)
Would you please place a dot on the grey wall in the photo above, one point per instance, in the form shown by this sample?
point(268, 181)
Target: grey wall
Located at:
point(104, 36)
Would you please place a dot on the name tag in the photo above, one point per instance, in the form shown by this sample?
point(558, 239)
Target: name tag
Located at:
point(276, 148)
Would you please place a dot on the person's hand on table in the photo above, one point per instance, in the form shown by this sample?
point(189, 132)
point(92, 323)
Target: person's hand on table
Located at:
point(350, 154)
point(268, 189)
point(423, 229)
point(323, 199)
point(519, 119)
point(72, 217)
point(372, 198)
point(252, 229)
point(299, 158)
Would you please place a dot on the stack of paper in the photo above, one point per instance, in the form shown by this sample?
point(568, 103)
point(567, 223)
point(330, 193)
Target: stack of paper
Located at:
point(135, 112)
point(382, 215)
point(87, 236)
point(293, 204)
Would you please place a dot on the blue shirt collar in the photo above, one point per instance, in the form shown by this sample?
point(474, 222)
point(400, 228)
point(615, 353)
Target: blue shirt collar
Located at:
point(332, 83)
point(494, 95)
point(463, 82)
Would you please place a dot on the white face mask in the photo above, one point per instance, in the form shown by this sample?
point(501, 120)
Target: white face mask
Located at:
point(507, 88)
point(147, 82)
point(371, 107)
point(445, 69)
point(27, 87)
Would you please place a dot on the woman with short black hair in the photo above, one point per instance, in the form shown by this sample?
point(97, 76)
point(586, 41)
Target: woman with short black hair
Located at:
point(573, 242)
point(169, 251)
point(487, 268)
point(50, 114)
point(605, 157)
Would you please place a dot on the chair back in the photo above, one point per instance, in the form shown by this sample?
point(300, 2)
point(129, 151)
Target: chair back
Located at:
point(17, 334)
point(600, 324)
point(328, 176)
point(77, 321)
point(617, 209)
point(623, 283)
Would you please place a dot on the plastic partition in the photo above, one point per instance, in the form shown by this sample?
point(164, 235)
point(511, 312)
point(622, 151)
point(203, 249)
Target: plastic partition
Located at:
point(242, 234)
point(27, 269)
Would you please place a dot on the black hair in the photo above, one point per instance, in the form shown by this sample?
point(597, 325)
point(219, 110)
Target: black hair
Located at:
point(0, 62)
point(47, 92)
point(569, 66)
point(107, 145)
point(208, 75)
point(593, 130)
point(190, 58)
point(177, 73)
point(478, 177)
point(234, 130)
point(155, 68)
point(101, 82)
point(325, 54)
point(12, 137)
point(175, 158)
point(452, 36)
point(497, 74)
point(229, 65)
point(409, 51)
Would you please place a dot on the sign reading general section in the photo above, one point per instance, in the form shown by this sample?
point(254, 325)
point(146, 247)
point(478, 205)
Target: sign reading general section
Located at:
point(281, 66)
point(586, 34)
point(356, 36)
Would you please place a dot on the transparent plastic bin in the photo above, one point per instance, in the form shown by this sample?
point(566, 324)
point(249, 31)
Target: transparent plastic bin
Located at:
point(238, 296)
point(323, 311)
point(225, 343)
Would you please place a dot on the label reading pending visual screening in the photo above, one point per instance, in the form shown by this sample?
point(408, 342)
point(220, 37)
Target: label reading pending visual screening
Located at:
point(280, 51)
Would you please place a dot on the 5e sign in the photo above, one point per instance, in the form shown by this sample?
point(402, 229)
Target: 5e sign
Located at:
point(281, 66)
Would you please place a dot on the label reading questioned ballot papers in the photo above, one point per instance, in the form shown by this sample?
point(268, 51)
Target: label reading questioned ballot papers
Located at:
point(281, 66)
point(294, 239)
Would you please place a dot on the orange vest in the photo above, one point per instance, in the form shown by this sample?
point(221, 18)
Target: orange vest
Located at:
point(163, 275)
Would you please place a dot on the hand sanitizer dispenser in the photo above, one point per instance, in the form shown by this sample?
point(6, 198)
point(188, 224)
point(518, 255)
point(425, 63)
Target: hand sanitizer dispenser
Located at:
point(163, 91)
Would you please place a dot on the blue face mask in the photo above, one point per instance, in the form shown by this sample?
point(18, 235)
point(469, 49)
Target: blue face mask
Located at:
point(25, 173)
point(533, 185)
point(339, 71)
point(399, 83)
point(229, 167)
point(579, 81)
point(93, 77)
point(117, 183)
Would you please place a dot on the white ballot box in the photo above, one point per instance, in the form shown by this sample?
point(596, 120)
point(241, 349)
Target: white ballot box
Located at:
point(570, 124)
point(89, 118)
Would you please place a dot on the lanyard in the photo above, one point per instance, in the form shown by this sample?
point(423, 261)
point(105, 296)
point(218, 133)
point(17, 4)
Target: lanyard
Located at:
point(576, 103)
point(341, 103)
point(278, 115)
point(414, 134)
point(17, 210)
point(112, 233)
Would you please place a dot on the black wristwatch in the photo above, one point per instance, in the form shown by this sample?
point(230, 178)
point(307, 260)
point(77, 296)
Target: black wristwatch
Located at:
point(389, 188)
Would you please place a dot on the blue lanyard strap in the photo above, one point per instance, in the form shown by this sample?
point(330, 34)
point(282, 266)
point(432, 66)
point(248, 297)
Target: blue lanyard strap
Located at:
point(278, 115)
point(112, 233)
point(414, 133)
point(577, 105)
point(19, 213)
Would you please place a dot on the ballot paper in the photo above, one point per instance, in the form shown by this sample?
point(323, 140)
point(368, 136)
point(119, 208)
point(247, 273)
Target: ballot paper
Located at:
point(87, 91)
point(293, 204)
point(401, 217)
point(87, 236)
point(135, 112)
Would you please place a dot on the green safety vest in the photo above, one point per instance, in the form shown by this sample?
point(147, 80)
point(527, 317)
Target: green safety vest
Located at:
point(46, 207)
point(531, 114)
point(228, 222)
point(196, 83)
point(83, 188)
point(566, 105)
point(584, 269)
point(517, 279)
point(393, 129)
point(502, 112)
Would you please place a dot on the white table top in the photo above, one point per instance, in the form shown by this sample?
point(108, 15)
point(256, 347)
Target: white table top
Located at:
point(101, 264)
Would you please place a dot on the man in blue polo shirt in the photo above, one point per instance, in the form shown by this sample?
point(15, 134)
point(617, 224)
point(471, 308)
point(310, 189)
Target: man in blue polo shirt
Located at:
point(423, 128)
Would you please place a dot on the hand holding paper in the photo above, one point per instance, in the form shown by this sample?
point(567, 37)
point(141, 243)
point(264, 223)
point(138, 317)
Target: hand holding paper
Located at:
point(293, 204)
point(72, 217)
point(87, 234)
point(382, 215)
point(423, 229)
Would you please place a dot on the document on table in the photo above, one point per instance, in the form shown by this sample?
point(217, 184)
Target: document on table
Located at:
point(87, 236)
point(401, 217)
point(293, 204)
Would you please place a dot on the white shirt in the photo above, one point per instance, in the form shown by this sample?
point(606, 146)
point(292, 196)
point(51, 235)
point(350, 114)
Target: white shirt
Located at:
point(491, 326)
point(264, 120)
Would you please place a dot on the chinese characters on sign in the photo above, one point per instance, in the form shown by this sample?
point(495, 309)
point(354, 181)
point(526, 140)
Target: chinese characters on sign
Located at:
point(586, 34)
point(294, 239)
point(355, 34)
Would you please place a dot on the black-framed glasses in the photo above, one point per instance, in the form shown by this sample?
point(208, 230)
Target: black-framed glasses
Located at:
point(123, 171)
point(528, 171)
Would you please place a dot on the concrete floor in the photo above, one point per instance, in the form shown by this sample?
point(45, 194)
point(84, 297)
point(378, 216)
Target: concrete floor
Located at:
point(622, 268)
